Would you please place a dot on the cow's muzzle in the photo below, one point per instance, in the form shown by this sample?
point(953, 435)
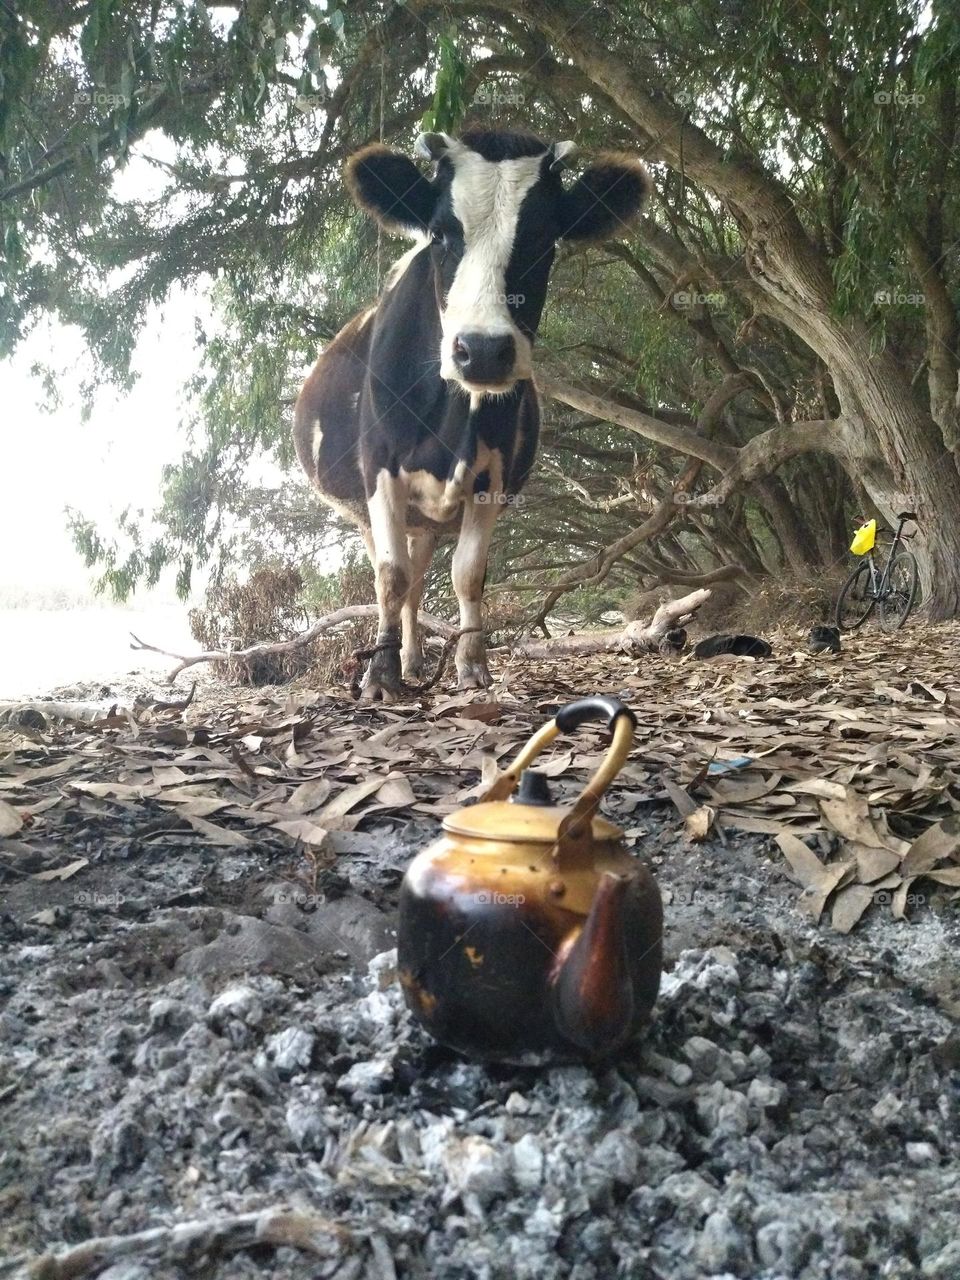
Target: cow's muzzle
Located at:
point(485, 360)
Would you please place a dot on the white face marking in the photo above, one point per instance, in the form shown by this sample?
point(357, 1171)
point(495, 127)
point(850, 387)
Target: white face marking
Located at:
point(486, 198)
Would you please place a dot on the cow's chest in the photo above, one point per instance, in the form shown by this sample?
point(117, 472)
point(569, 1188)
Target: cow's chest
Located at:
point(440, 500)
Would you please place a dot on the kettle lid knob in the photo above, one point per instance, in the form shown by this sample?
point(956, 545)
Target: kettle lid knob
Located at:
point(534, 788)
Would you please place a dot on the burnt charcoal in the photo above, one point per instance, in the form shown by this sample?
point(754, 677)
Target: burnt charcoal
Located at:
point(673, 641)
point(741, 646)
point(825, 640)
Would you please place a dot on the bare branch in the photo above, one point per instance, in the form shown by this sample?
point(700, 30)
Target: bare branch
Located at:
point(348, 613)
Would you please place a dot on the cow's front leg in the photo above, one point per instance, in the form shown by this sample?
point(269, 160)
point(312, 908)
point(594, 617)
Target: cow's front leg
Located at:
point(421, 544)
point(387, 506)
point(469, 570)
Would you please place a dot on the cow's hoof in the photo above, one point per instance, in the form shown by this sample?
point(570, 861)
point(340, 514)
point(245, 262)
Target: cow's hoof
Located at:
point(383, 682)
point(374, 692)
point(414, 667)
point(474, 675)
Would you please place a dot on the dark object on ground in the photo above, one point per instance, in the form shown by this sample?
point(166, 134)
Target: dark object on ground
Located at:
point(740, 646)
point(674, 641)
point(824, 639)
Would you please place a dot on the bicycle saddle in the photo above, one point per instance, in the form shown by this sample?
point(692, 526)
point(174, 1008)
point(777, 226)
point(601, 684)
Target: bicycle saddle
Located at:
point(906, 515)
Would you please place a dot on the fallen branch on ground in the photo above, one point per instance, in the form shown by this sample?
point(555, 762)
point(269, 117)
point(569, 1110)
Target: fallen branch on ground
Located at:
point(195, 1241)
point(636, 637)
point(34, 714)
point(349, 613)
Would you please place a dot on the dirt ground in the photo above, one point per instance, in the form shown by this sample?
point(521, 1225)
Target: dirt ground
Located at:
point(206, 1069)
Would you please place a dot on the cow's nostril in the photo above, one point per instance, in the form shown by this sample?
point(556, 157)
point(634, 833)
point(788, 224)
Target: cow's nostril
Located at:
point(461, 353)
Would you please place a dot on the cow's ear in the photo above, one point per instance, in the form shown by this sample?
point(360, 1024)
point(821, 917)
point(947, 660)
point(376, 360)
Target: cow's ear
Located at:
point(605, 198)
point(391, 189)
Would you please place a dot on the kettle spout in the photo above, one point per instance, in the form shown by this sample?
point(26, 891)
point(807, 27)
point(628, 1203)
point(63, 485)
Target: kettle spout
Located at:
point(593, 990)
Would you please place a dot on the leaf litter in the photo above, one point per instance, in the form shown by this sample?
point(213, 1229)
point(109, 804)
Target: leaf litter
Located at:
point(850, 763)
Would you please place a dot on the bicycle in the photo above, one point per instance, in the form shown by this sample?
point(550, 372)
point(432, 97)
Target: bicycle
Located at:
point(894, 588)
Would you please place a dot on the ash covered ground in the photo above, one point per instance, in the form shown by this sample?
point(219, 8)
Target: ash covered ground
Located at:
point(202, 1078)
point(793, 1111)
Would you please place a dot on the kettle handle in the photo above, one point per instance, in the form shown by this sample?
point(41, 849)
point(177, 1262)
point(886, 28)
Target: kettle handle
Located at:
point(618, 717)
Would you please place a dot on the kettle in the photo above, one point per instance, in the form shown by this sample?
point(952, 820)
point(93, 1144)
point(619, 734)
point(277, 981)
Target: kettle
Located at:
point(528, 933)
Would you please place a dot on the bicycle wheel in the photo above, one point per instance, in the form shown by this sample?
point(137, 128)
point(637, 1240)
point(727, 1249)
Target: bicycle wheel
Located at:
point(901, 591)
point(856, 600)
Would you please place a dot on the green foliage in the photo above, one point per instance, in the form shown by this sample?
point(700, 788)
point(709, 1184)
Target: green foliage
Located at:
point(449, 101)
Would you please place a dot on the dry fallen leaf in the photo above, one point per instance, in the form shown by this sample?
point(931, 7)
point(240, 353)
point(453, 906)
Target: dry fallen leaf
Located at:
point(304, 830)
point(817, 878)
point(945, 875)
point(873, 864)
point(396, 792)
point(486, 712)
point(309, 795)
point(63, 873)
point(697, 824)
point(849, 905)
point(333, 813)
point(937, 843)
point(850, 816)
point(10, 820)
point(682, 800)
point(217, 835)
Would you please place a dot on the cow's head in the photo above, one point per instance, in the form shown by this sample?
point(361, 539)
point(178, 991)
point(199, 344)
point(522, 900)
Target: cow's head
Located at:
point(493, 211)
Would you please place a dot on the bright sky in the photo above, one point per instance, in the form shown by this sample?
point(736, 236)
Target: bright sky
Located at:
point(114, 459)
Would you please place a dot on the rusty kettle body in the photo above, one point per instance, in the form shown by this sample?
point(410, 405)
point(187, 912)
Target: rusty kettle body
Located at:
point(528, 932)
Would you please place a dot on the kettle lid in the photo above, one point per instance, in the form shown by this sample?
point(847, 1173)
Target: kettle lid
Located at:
point(530, 815)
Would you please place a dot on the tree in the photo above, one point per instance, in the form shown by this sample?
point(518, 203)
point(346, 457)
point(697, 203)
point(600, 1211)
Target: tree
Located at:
point(781, 333)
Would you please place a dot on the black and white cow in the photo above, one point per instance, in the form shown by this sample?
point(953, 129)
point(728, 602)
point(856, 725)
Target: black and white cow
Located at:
point(420, 418)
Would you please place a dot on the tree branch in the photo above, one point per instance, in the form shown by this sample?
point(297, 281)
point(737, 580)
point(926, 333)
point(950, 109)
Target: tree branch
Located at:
point(609, 408)
point(765, 452)
point(348, 613)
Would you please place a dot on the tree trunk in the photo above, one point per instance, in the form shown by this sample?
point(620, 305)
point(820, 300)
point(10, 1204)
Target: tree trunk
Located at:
point(891, 441)
point(906, 467)
point(799, 550)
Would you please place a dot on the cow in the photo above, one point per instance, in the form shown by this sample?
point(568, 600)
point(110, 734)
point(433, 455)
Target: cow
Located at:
point(420, 419)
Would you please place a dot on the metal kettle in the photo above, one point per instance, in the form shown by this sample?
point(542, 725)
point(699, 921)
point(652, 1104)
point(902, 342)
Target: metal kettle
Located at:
point(528, 932)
